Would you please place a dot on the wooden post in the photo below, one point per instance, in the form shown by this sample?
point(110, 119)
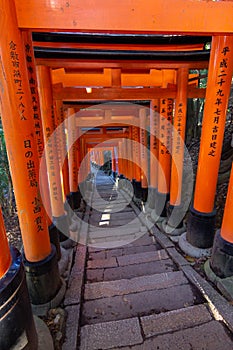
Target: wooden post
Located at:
point(16, 101)
point(201, 222)
point(143, 152)
point(175, 205)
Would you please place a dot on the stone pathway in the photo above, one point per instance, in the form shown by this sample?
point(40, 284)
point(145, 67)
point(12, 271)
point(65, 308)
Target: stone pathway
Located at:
point(135, 296)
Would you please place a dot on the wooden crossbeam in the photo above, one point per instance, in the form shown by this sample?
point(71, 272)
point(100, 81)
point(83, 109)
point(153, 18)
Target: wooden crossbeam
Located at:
point(160, 16)
point(121, 94)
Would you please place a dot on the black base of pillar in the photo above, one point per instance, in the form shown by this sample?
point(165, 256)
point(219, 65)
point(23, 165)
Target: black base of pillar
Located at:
point(138, 189)
point(175, 215)
point(16, 319)
point(151, 197)
point(54, 239)
point(75, 200)
point(161, 200)
point(201, 228)
point(62, 225)
point(221, 261)
point(43, 278)
point(144, 194)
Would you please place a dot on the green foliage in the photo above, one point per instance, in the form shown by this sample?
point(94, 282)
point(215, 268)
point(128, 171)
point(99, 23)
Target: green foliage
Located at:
point(6, 189)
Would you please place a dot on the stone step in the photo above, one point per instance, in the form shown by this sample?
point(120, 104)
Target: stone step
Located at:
point(111, 334)
point(131, 271)
point(138, 284)
point(137, 304)
point(140, 242)
point(208, 336)
point(127, 332)
point(109, 253)
point(128, 259)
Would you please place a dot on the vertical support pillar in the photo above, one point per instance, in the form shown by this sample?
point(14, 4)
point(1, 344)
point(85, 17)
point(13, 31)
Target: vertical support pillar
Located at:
point(143, 153)
point(175, 205)
point(13, 323)
point(201, 221)
point(219, 268)
point(60, 219)
point(137, 161)
point(53, 234)
point(164, 172)
point(19, 131)
point(154, 152)
point(75, 196)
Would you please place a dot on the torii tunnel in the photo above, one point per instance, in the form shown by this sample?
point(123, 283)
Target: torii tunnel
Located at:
point(102, 87)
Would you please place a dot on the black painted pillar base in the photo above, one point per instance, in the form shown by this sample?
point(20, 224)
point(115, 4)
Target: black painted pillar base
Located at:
point(221, 261)
point(138, 189)
point(144, 192)
point(161, 200)
point(16, 319)
point(151, 197)
point(43, 278)
point(54, 239)
point(62, 225)
point(175, 215)
point(201, 228)
point(75, 200)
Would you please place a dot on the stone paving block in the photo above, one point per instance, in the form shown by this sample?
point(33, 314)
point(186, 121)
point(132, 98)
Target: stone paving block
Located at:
point(138, 284)
point(137, 270)
point(208, 336)
point(177, 257)
point(97, 255)
point(102, 263)
point(95, 275)
point(132, 250)
point(137, 304)
point(162, 239)
point(74, 290)
point(175, 320)
point(220, 307)
point(110, 334)
point(142, 257)
point(72, 327)
point(100, 232)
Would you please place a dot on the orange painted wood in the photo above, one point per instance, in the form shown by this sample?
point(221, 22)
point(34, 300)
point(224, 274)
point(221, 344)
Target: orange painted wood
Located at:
point(48, 120)
point(77, 94)
point(154, 144)
point(72, 150)
point(62, 150)
point(78, 66)
point(179, 138)
point(31, 70)
point(185, 16)
point(214, 116)
point(18, 124)
point(143, 147)
point(5, 257)
point(227, 221)
point(164, 171)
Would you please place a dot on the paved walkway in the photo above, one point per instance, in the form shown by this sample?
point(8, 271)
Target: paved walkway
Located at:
point(135, 296)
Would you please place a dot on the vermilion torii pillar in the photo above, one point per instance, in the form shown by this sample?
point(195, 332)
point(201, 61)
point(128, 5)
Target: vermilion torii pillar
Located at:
point(62, 150)
point(60, 218)
point(164, 171)
point(220, 265)
point(143, 153)
point(174, 210)
point(75, 196)
point(154, 151)
point(200, 229)
point(19, 130)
